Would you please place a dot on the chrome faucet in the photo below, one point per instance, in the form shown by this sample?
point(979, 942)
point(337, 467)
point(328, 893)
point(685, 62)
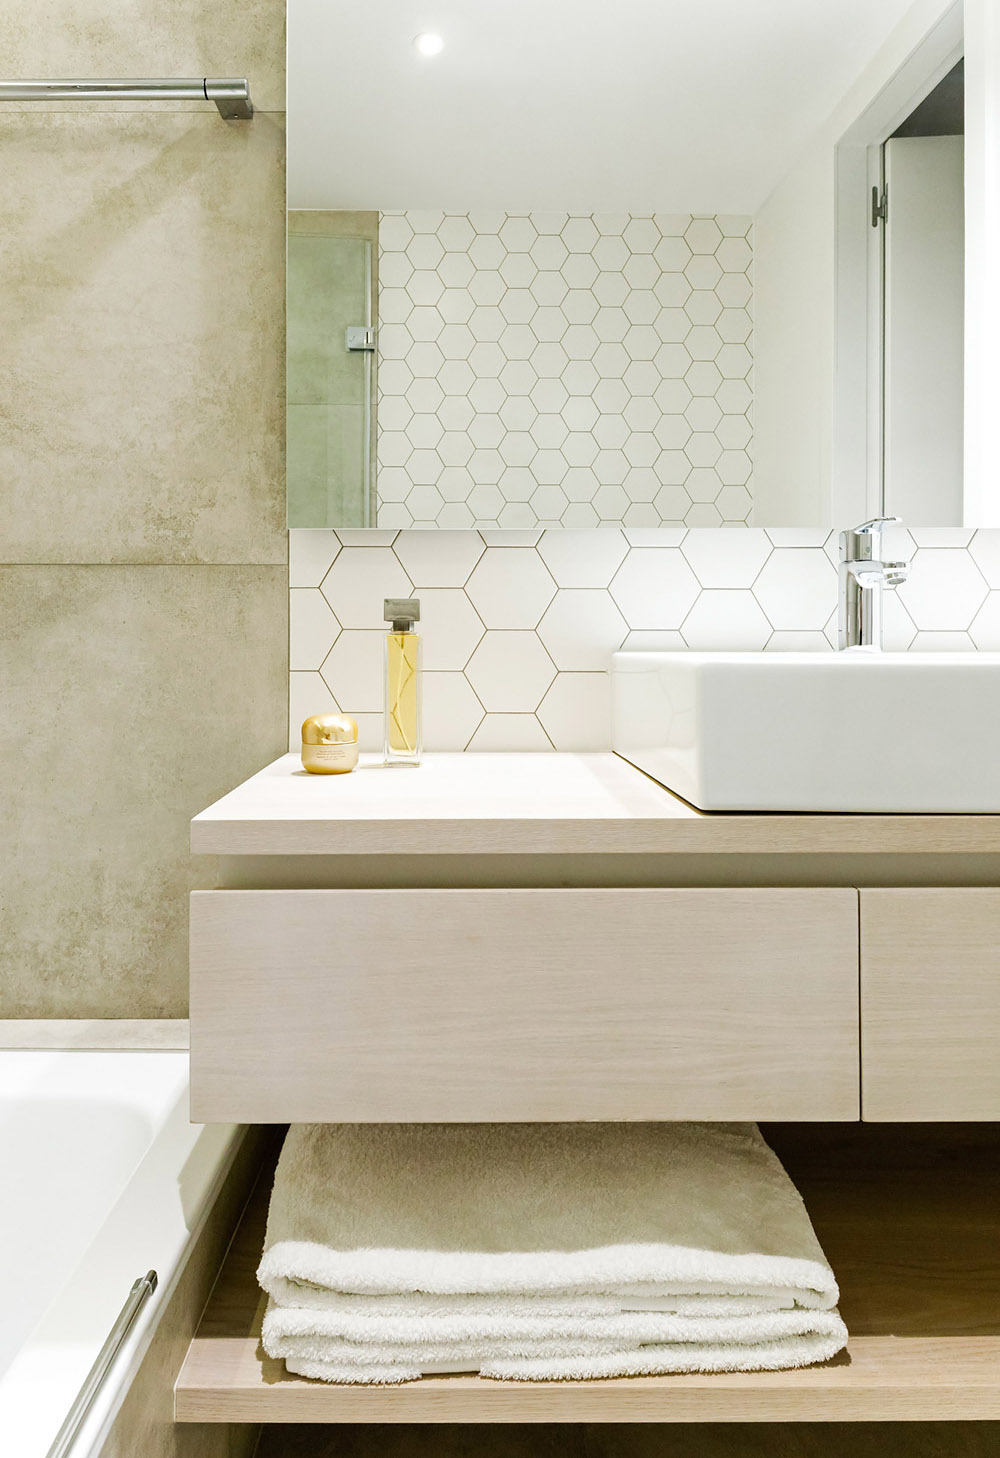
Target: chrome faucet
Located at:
point(863, 578)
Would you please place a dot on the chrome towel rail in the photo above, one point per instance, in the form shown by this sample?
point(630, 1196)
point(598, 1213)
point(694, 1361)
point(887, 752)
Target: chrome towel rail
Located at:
point(141, 1290)
point(231, 94)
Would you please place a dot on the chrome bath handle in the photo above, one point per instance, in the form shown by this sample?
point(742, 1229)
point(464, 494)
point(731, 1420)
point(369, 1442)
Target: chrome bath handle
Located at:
point(141, 1290)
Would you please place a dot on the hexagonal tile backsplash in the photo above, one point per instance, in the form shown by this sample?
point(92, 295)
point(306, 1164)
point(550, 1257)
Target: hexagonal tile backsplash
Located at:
point(546, 369)
point(518, 625)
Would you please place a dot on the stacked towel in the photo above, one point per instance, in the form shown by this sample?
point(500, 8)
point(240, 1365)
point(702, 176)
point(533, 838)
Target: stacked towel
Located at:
point(540, 1251)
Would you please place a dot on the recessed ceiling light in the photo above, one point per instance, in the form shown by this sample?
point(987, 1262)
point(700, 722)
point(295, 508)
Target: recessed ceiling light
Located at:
point(429, 44)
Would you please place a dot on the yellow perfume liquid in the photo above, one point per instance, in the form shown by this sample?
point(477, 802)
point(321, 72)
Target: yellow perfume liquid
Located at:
point(402, 699)
point(403, 732)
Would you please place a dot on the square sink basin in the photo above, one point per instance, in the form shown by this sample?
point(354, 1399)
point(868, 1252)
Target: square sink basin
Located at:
point(851, 731)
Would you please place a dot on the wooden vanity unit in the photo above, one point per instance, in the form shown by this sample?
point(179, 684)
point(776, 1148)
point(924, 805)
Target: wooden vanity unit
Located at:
point(557, 937)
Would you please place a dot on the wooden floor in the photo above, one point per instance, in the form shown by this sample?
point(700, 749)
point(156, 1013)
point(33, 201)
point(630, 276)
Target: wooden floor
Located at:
point(908, 1215)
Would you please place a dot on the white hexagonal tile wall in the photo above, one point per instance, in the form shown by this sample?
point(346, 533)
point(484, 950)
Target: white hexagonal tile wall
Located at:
point(792, 642)
point(365, 537)
point(307, 695)
point(985, 552)
point(898, 630)
point(438, 559)
point(654, 589)
point(581, 627)
point(726, 558)
point(576, 711)
point(651, 591)
point(510, 672)
point(797, 589)
point(949, 642)
point(548, 253)
point(516, 514)
point(450, 627)
point(352, 670)
point(609, 310)
point(941, 536)
point(945, 589)
point(310, 555)
point(726, 621)
point(451, 711)
point(358, 583)
point(582, 558)
point(735, 505)
point(703, 514)
point(511, 588)
point(312, 627)
point(519, 733)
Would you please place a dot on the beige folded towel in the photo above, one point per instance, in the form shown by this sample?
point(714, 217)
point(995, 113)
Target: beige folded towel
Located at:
point(540, 1251)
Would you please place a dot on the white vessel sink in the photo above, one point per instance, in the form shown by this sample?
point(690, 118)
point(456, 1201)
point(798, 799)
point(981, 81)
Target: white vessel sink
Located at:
point(852, 731)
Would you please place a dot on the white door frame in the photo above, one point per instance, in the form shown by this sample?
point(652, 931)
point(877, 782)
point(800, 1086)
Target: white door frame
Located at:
point(857, 422)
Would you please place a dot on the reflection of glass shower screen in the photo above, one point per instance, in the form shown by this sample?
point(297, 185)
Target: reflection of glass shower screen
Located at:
point(329, 386)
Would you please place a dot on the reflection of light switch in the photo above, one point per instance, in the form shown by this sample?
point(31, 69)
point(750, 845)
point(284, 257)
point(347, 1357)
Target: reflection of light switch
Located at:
point(360, 336)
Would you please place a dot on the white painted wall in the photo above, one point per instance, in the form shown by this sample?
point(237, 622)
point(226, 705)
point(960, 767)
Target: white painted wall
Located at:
point(793, 333)
point(924, 335)
point(795, 298)
point(982, 275)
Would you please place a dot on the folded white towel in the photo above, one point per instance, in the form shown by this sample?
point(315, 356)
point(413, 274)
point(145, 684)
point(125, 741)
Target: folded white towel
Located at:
point(540, 1251)
point(644, 1362)
point(315, 1345)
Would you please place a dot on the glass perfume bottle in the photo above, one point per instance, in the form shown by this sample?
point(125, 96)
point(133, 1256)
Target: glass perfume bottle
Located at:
point(403, 728)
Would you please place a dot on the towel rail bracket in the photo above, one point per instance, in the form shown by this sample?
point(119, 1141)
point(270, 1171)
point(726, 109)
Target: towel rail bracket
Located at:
point(231, 94)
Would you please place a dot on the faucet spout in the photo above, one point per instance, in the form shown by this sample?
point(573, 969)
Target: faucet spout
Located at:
point(864, 576)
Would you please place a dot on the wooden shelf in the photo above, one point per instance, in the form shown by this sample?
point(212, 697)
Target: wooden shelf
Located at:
point(538, 804)
point(909, 1217)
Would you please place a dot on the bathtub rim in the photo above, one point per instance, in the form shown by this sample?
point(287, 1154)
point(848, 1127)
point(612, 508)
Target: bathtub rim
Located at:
point(47, 1373)
point(63, 1035)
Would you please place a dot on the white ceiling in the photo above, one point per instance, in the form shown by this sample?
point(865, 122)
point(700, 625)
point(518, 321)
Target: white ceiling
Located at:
point(576, 105)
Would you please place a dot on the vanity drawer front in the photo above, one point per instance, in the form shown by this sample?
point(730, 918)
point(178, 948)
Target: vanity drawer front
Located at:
point(930, 1003)
point(417, 1005)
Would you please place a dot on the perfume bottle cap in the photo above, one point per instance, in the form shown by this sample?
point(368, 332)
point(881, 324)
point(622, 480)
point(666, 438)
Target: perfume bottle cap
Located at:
point(329, 729)
point(402, 612)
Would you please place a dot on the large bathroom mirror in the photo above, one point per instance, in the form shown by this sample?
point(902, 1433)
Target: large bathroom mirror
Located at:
point(580, 265)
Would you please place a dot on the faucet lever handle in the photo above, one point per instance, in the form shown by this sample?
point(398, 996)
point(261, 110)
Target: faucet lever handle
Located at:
point(873, 527)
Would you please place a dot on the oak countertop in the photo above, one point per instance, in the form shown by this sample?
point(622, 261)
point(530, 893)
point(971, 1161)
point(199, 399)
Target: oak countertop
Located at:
point(537, 804)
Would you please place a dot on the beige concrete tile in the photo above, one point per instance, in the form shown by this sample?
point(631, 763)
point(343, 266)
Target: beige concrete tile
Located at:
point(142, 349)
point(133, 698)
point(122, 38)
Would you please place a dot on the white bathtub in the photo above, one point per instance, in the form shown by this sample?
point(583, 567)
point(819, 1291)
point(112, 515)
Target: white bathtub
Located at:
point(103, 1178)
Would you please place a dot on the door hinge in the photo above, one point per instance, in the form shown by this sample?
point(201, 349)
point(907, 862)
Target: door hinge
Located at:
point(880, 206)
point(360, 338)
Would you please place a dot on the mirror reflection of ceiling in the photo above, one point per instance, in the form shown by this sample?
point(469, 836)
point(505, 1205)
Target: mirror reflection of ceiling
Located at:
point(578, 105)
